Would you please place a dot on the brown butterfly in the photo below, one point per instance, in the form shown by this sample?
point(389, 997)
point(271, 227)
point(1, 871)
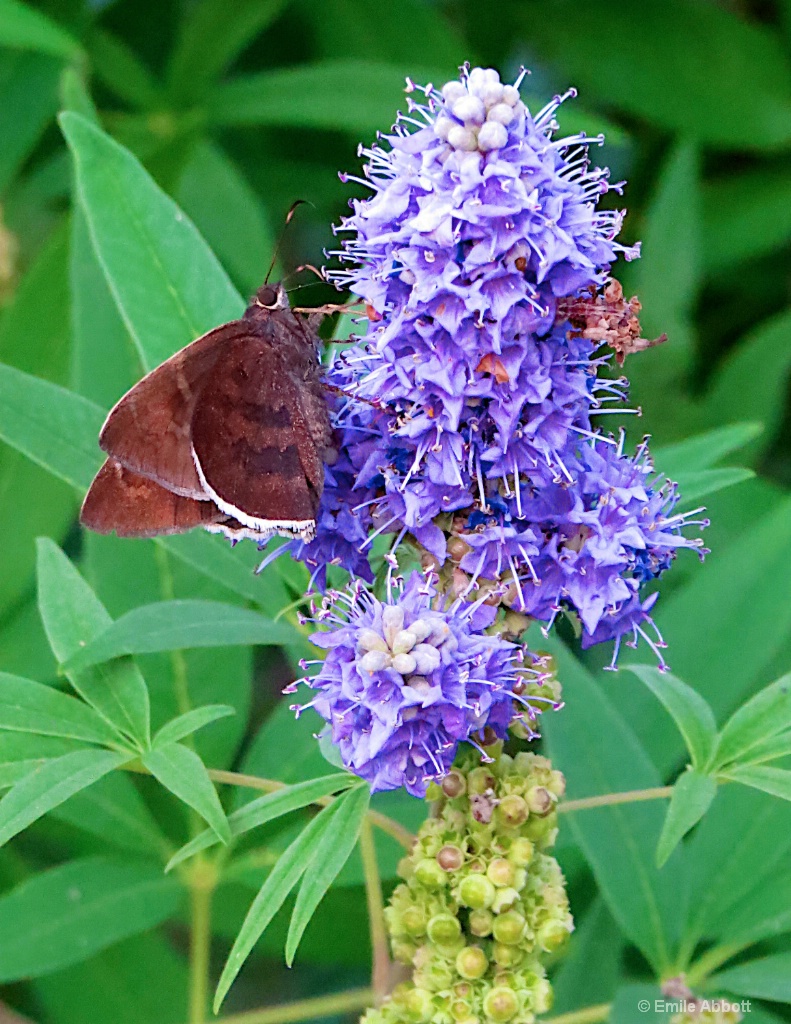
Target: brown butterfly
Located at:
point(231, 434)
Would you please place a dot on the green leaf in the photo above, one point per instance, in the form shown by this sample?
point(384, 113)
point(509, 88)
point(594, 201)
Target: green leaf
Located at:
point(177, 625)
point(763, 913)
point(690, 712)
point(281, 731)
point(73, 616)
point(290, 866)
point(594, 746)
point(180, 770)
point(329, 852)
point(190, 722)
point(120, 69)
point(74, 94)
point(692, 796)
point(51, 784)
point(68, 913)
point(25, 28)
point(740, 102)
point(28, 102)
point(745, 215)
point(698, 485)
point(767, 978)
point(52, 426)
point(212, 35)
point(360, 97)
point(761, 718)
point(168, 285)
point(226, 210)
point(232, 567)
point(267, 808)
point(769, 749)
point(703, 451)
point(26, 706)
point(113, 810)
point(774, 781)
point(752, 379)
point(591, 967)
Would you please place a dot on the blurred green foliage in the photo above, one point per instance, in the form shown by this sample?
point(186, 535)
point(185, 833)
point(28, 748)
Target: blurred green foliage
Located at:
point(237, 108)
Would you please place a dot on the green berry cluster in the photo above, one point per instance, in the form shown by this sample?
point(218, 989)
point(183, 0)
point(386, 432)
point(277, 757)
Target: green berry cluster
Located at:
point(482, 902)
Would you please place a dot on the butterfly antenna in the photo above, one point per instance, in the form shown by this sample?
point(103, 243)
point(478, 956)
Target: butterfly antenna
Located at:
point(289, 216)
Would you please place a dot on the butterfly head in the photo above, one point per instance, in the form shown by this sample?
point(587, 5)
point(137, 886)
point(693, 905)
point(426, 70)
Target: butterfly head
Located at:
point(271, 296)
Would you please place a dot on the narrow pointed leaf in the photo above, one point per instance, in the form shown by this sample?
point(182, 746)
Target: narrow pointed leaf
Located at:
point(25, 28)
point(180, 770)
point(69, 913)
point(190, 722)
point(775, 781)
point(692, 797)
point(767, 978)
point(51, 784)
point(168, 285)
point(768, 750)
point(73, 615)
point(697, 485)
point(703, 451)
point(768, 713)
point(50, 425)
point(288, 870)
point(267, 808)
point(176, 625)
point(332, 849)
point(690, 712)
point(26, 706)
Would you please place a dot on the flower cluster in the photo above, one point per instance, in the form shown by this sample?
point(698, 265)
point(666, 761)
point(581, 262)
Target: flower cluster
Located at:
point(482, 902)
point(483, 260)
point(405, 680)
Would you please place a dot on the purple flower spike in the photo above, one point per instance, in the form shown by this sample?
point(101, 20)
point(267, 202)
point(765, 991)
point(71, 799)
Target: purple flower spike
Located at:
point(404, 681)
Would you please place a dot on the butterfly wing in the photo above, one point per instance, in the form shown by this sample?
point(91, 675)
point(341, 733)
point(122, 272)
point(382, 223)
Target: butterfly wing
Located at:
point(130, 505)
point(148, 431)
point(253, 450)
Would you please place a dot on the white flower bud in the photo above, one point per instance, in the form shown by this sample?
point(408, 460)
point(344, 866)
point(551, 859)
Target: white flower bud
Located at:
point(491, 94)
point(375, 661)
point(418, 683)
point(404, 641)
point(469, 108)
point(421, 629)
point(369, 640)
point(443, 125)
point(427, 658)
point(392, 622)
point(453, 91)
point(492, 136)
point(463, 138)
point(501, 113)
point(510, 95)
point(405, 664)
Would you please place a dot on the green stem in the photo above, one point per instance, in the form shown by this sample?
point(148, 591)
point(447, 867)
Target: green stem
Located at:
point(710, 961)
point(380, 971)
point(305, 1009)
point(202, 882)
point(608, 799)
point(588, 1015)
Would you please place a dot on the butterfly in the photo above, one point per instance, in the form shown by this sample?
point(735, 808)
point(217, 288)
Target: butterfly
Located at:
point(232, 434)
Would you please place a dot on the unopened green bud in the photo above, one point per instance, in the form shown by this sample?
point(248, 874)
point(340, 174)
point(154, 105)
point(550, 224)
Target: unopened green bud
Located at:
point(538, 829)
point(462, 990)
point(414, 921)
point(521, 852)
point(509, 928)
point(507, 956)
point(500, 872)
point(430, 874)
point(403, 951)
point(450, 857)
point(481, 922)
point(435, 976)
point(472, 962)
point(454, 784)
point(501, 1004)
point(539, 800)
point(504, 899)
point(552, 935)
point(512, 811)
point(433, 792)
point(543, 996)
point(443, 929)
point(476, 891)
point(480, 780)
point(417, 1004)
point(460, 1010)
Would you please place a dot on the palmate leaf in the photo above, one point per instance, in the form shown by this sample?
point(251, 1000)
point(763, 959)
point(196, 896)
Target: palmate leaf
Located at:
point(68, 913)
point(318, 853)
point(267, 808)
point(73, 616)
point(27, 706)
point(181, 771)
point(175, 625)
